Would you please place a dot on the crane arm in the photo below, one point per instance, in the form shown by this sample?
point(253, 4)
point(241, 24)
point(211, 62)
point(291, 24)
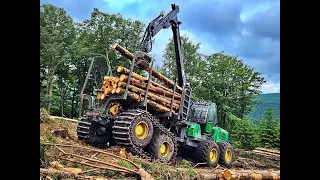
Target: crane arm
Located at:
point(164, 22)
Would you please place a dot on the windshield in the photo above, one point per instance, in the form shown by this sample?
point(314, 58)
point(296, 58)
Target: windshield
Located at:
point(199, 112)
point(211, 113)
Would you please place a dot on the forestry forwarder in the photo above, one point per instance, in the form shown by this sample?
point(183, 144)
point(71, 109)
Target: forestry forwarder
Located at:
point(152, 134)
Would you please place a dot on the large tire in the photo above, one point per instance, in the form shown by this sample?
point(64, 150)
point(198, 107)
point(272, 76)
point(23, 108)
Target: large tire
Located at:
point(226, 154)
point(95, 131)
point(207, 152)
point(133, 127)
point(162, 147)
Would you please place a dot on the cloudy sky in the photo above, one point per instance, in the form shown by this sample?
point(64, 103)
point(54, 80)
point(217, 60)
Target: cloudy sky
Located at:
point(247, 28)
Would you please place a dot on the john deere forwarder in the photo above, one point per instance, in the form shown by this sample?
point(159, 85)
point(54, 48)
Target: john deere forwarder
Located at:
point(155, 135)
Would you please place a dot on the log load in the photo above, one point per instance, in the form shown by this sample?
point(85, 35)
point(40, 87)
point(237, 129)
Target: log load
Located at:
point(146, 67)
point(158, 97)
point(136, 97)
point(161, 97)
point(153, 97)
point(126, 71)
point(108, 87)
point(156, 89)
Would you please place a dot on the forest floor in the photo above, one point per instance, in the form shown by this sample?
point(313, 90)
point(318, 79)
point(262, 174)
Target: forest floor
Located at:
point(55, 161)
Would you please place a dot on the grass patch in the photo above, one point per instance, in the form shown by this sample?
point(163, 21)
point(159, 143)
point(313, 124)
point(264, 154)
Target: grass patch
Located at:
point(43, 157)
point(126, 164)
point(43, 115)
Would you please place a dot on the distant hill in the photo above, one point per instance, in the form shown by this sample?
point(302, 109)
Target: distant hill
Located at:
point(272, 100)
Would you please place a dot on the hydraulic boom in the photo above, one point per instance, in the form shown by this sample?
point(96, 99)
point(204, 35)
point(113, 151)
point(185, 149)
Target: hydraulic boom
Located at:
point(163, 22)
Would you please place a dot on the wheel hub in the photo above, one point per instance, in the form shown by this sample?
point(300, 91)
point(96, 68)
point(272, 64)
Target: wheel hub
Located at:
point(164, 149)
point(213, 155)
point(141, 130)
point(228, 155)
point(101, 131)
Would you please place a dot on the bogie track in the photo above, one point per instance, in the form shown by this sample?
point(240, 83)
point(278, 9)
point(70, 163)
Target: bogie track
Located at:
point(95, 130)
point(121, 132)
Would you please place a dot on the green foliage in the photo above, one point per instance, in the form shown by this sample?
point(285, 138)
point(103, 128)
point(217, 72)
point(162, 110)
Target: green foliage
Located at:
point(192, 60)
point(43, 157)
point(244, 134)
point(247, 135)
point(66, 50)
point(57, 34)
point(263, 102)
point(126, 164)
point(185, 164)
point(277, 134)
point(109, 173)
point(49, 137)
point(43, 115)
point(163, 171)
point(267, 130)
point(231, 84)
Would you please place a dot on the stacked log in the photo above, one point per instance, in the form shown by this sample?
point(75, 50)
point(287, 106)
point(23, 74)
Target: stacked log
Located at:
point(159, 96)
point(109, 87)
point(267, 153)
point(245, 174)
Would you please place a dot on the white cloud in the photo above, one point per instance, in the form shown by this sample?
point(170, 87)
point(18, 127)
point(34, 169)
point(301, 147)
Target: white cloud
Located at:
point(161, 40)
point(251, 9)
point(204, 40)
point(270, 87)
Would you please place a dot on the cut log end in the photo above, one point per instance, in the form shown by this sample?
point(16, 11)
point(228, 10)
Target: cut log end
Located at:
point(227, 174)
point(118, 89)
point(115, 45)
point(99, 96)
point(144, 174)
point(122, 77)
point(119, 69)
point(106, 91)
point(220, 175)
point(102, 96)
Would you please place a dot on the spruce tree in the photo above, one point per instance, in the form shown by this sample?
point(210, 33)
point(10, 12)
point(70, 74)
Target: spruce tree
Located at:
point(266, 130)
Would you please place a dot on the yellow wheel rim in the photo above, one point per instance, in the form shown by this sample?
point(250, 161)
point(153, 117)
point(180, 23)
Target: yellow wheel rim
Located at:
point(228, 155)
point(164, 149)
point(213, 155)
point(142, 130)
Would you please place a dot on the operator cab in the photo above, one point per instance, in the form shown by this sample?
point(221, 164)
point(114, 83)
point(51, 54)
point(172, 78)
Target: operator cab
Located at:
point(203, 112)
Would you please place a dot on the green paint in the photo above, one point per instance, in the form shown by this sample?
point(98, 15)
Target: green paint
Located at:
point(209, 127)
point(193, 129)
point(219, 134)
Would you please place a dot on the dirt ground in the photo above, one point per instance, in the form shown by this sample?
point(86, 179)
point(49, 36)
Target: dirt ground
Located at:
point(61, 131)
